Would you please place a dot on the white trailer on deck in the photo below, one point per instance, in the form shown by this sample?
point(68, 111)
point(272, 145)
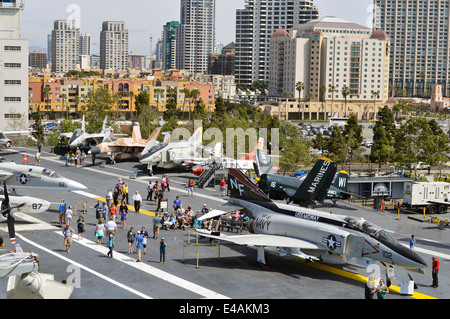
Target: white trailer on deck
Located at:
point(432, 196)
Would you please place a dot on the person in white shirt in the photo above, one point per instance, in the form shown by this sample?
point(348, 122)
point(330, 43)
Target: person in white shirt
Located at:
point(111, 227)
point(109, 197)
point(150, 190)
point(69, 215)
point(137, 201)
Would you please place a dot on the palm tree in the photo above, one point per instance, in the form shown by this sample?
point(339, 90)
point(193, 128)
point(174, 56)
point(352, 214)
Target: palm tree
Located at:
point(195, 93)
point(286, 95)
point(375, 95)
point(131, 95)
point(46, 91)
point(345, 92)
point(299, 87)
point(322, 91)
point(158, 93)
point(63, 97)
point(117, 98)
point(187, 95)
point(332, 90)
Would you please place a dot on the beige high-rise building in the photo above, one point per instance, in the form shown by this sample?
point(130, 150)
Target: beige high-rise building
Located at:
point(65, 46)
point(114, 46)
point(330, 53)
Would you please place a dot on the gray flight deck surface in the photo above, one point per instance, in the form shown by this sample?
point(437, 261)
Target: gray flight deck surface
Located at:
point(235, 275)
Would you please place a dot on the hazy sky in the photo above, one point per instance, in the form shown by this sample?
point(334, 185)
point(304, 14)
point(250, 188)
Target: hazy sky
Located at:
point(145, 17)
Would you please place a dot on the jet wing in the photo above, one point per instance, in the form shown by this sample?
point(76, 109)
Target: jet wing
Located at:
point(4, 175)
point(224, 209)
point(264, 240)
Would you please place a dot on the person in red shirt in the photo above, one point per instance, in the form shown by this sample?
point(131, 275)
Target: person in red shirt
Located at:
point(190, 187)
point(113, 211)
point(222, 187)
point(435, 271)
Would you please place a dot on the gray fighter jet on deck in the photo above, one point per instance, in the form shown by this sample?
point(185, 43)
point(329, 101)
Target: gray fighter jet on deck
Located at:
point(27, 176)
point(308, 234)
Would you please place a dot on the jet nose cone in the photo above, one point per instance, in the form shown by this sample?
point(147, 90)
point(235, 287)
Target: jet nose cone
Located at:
point(95, 150)
point(73, 185)
point(144, 157)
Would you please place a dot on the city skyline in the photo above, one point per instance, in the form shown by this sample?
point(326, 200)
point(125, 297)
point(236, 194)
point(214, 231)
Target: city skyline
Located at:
point(39, 16)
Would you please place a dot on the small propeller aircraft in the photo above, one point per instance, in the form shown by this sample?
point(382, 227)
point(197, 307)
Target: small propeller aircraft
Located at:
point(308, 234)
point(286, 187)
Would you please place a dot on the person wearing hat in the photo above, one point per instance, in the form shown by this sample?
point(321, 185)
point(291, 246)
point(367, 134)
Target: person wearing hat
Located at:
point(68, 232)
point(69, 215)
point(162, 251)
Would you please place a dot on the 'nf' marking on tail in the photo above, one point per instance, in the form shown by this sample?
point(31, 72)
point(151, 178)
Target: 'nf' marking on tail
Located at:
point(318, 178)
point(342, 182)
point(236, 185)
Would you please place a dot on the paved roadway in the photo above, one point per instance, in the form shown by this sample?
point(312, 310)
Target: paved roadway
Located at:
point(234, 275)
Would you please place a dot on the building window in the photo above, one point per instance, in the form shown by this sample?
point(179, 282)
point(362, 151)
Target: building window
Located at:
point(13, 65)
point(13, 82)
point(12, 48)
point(13, 116)
point(12, 99)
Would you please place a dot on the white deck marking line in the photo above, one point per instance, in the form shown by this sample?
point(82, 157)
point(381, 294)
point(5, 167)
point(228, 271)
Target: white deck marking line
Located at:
point(85, 268)
point(207, 293)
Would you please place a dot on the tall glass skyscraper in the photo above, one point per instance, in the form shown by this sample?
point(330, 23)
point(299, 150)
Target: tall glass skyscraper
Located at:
point(196, 35)
point(419, 33)
point(169, 45)
point(255, 25)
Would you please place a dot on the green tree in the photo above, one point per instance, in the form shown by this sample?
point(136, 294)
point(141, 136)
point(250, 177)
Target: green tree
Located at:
point(100, 104)
point(141, 101)
point(345, 92)
point(38, 128)
point(382, 148)
point(337, 148)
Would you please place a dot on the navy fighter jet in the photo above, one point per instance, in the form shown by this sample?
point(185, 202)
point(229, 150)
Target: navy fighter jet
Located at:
point(308, 234)
point(27, 176)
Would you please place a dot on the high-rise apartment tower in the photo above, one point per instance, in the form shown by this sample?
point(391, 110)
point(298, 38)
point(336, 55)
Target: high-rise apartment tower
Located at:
point(65, 46)
point(255, 25)
point(114, 46)
point(196, 35)
point(420, 46)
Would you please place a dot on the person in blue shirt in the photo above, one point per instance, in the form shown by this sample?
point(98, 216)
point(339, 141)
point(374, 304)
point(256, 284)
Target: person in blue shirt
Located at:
point(62, 212)
point(176, 204)
point(412, 242)
point(139, 240)
point(111, 245)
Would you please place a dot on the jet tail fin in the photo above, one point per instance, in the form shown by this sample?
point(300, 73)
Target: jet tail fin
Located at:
point(315, 186)
point(240, 186)
point(262, 164)
point(251, 156)
point(197, 137)
point(341, 181)
point(154, 136)
point(105, 122)
point(136, 132)
point(83, 124)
